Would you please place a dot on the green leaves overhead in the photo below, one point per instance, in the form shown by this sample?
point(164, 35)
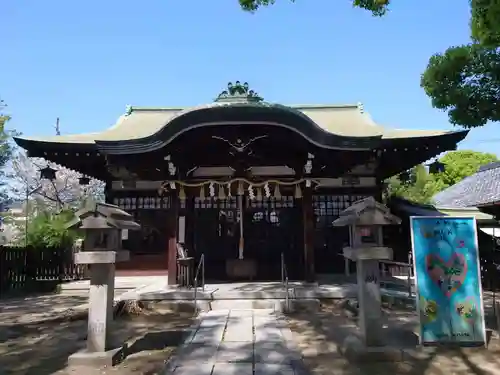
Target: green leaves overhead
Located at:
point(485, 22)
point(253, 5)
point(465, 81)
point(377, 7)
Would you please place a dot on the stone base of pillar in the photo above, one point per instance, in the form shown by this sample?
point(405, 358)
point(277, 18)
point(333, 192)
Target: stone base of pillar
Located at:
point(355, 350)
point(108, 358)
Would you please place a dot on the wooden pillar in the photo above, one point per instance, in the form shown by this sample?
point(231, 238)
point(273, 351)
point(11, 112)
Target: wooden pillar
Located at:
point(172, 238)
point(189, 234)
point(308, 218)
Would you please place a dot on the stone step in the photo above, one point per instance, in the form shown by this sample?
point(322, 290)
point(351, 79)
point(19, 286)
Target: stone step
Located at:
point(245, 304)
point(295, 292)
point(277, 305)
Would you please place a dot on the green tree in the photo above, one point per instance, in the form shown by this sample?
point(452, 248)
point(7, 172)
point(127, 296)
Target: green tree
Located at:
point(463, 80)
point(48, 230)
point(421, 185)
point(377, 7)
point(461, 164)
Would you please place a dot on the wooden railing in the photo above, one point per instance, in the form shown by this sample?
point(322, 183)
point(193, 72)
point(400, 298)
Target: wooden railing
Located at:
point(199, 276)
point(284, 281)
point(391, 268)
point(185, 267)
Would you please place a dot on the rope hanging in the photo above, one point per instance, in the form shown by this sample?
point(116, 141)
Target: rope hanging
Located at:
point(169, 184)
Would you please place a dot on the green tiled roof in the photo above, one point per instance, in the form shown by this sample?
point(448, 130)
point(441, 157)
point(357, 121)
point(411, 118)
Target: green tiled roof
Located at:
point(343, 120)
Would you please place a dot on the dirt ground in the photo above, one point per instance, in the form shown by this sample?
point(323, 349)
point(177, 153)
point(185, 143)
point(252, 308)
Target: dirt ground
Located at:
point(32, 343)
point(320, 337)
point(42, 347)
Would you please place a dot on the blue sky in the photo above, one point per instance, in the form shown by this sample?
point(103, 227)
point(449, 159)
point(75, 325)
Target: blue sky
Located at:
point(84, 61)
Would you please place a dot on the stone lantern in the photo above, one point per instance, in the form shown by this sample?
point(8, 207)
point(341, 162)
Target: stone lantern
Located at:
point(366, 219)
point(101, 225)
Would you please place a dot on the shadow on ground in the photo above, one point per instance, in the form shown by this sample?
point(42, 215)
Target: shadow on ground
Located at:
point(43, 348)
point(320, 337)
point(37, 307)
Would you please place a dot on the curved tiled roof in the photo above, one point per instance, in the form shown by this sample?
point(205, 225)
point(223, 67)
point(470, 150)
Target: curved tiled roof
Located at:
point(341, 120)
point(479, 189)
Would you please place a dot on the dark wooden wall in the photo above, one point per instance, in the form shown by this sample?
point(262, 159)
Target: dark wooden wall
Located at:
point(322, 243)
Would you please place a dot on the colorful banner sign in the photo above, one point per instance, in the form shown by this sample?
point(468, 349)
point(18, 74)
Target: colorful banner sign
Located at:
point(448, 280)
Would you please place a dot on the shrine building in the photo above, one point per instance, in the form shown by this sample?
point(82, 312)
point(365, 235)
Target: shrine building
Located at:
point(241, 180)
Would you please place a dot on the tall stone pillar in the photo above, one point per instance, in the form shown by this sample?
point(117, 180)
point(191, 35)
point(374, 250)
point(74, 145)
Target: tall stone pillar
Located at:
point(102, 225)
point(366, 219)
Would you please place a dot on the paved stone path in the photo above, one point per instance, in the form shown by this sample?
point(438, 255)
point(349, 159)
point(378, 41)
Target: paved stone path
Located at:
point(242, 342)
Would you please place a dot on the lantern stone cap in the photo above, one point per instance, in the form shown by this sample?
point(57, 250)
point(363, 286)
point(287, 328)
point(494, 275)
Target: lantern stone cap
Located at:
point(97, 215)
point(366, 212)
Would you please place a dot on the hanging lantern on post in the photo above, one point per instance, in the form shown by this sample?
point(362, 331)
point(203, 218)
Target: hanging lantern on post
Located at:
point(48, 173)
point(436, 167)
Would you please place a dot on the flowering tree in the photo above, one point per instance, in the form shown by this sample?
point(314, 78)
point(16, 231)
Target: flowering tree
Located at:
point(6, 151)
point(65, 192)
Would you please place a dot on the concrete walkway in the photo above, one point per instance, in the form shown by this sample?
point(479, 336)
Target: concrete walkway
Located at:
point(242, 342)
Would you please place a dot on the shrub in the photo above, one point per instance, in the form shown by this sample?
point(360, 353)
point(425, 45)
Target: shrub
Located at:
point(49, 230)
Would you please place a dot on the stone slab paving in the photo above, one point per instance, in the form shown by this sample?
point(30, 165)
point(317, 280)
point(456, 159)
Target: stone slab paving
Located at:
point(242, 342)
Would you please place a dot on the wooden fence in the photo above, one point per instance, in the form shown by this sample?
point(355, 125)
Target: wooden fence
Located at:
point(33, 269)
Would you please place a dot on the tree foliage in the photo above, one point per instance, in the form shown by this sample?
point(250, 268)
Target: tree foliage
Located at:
point(49, 230)
point(377, 7)
point(422, 185)
point(463, 80)
point(461, 164)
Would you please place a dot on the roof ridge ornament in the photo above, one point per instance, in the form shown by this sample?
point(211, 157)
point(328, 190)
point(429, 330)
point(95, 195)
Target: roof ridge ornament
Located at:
point(128, 110)
point(361, 107)
point(238, 93)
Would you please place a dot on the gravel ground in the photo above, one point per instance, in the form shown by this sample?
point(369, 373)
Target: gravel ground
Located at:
point(320, 336)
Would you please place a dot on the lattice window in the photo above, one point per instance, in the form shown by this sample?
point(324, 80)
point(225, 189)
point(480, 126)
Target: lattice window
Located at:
point(328, 207)
point(142, 203)
point(286, 201)
point(229, 202)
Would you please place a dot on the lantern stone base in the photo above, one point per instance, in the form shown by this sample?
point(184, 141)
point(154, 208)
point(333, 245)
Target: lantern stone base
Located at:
point(109, 358)
point(355, 350)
